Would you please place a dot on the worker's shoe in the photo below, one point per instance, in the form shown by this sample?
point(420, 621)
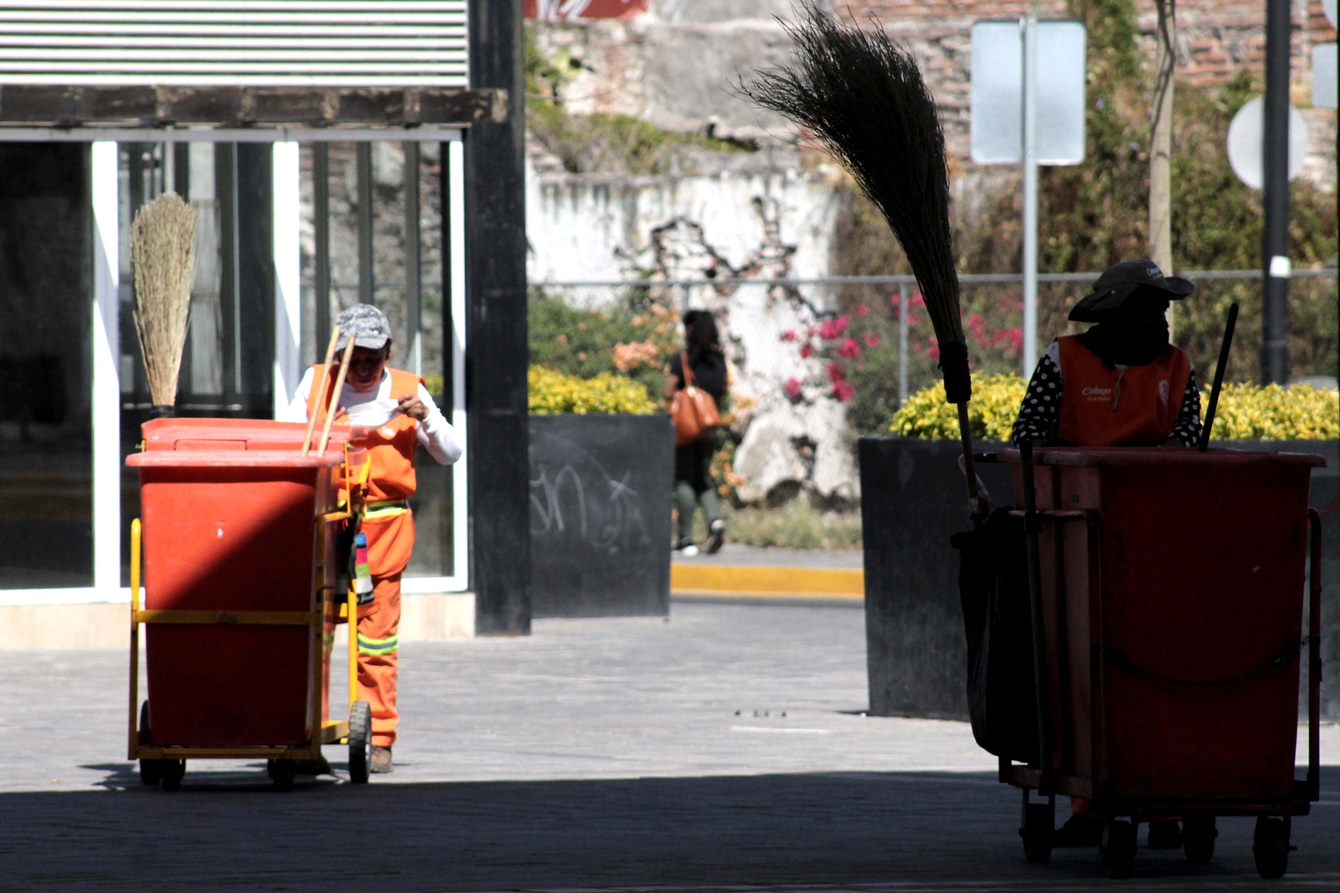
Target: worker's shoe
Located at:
point(716, 535)
point(315, 766)
point(1165, 834)
point(381, 759)
point(1078, 831)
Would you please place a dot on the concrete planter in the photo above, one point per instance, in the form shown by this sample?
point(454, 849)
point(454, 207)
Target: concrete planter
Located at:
point(600, 496)
point(914, 499)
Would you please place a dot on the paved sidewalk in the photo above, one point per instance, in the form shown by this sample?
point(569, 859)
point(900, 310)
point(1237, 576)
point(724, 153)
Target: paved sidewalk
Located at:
point(722, 749)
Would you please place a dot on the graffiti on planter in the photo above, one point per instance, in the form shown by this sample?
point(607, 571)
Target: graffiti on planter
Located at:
point(581, 500)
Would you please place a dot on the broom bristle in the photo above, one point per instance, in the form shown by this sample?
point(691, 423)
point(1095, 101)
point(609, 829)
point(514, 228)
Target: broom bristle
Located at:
point(163, 261)
point(864, 98)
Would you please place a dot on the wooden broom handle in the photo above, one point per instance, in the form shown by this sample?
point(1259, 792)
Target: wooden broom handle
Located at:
point(335, 393)
point(321, 399)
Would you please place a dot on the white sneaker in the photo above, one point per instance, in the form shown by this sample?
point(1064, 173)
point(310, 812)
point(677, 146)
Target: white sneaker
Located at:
point(687, 549)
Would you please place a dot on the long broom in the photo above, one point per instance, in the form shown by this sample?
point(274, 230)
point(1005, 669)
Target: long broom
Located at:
point(863, 97)
point(162, 258)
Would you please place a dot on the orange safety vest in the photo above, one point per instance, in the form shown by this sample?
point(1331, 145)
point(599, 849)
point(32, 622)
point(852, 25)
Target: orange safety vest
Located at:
point(1102, 406)
point(390, 447)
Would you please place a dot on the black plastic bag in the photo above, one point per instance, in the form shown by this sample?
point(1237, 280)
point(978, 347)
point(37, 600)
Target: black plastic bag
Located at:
point(993, 590)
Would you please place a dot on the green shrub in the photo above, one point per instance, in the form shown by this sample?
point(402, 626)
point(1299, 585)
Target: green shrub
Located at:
point(553, 393)
point(635, 341)
point(1245, 412)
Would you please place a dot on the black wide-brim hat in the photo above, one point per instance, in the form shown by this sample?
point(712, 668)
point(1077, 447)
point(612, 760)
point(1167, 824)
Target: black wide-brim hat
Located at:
point(1122, 282)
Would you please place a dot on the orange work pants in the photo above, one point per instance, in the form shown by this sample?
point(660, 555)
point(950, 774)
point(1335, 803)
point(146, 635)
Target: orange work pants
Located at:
point(390, 543)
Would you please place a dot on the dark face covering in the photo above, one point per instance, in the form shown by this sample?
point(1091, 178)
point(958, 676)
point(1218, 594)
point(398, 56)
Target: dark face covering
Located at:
point(1135, 336)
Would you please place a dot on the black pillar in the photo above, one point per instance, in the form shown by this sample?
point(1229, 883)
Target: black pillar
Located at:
point(255, 296)
point(496, 354)
point(1275, 161)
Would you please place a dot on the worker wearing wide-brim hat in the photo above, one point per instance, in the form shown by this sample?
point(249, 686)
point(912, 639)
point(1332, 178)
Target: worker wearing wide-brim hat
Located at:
point(1120, 383)
point(400, 416)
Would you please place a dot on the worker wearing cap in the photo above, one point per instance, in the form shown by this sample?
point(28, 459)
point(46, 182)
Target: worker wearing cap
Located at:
point(400, 414)
point(1120, 383)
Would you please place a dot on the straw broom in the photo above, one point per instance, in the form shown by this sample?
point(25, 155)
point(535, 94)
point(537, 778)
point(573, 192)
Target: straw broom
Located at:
point(163, 260)
point(863, 97)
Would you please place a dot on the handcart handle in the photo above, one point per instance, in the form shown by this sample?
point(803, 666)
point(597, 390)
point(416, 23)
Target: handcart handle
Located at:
point(1314, 659)
point(1035, 605)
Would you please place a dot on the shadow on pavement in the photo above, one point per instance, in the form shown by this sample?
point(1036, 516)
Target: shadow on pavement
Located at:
point(839, 831)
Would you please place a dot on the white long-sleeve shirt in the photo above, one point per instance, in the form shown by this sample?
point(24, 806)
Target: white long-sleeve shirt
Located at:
point(372, 409)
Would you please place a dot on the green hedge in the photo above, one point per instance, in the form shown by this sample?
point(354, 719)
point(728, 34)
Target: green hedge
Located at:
point(1245, 412)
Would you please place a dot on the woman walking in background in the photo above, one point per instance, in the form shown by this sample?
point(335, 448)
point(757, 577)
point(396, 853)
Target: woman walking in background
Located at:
point(693, 461)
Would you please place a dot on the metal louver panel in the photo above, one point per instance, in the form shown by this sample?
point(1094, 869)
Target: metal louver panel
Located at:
point(344, 43)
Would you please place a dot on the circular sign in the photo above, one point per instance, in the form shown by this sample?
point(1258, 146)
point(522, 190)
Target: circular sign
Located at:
point(1246, 145)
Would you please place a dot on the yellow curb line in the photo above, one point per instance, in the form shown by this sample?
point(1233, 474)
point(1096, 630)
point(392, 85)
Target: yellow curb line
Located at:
point(771, 581)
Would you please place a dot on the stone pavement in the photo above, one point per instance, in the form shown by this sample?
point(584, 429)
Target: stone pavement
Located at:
point(722, 749)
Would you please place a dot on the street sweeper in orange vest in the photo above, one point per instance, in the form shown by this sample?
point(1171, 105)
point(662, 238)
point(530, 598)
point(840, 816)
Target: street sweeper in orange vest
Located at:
point(400, 415)
point(1121, 383)
point(1118, 384)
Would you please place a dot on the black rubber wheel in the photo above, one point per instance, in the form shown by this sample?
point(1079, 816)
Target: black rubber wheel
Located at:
point(1270, 846)
point(173, 771)
point(360, 742)
point(1198, 835)
point(1117, 848)
point(282, 773)
point(1037, 831)
point(151, 771)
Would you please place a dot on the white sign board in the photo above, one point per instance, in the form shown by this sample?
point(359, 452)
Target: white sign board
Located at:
point(1246, 150)
point(997, 92)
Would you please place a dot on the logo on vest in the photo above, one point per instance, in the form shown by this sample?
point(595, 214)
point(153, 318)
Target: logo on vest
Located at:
point(1096, 394)
point(1164, 395)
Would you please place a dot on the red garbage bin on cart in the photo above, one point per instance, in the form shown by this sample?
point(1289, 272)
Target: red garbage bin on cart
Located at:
point(240, 570)
point(1171, 586)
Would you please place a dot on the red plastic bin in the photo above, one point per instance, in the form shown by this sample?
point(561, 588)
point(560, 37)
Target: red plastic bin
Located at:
point(1173, 624)
point(231, 520)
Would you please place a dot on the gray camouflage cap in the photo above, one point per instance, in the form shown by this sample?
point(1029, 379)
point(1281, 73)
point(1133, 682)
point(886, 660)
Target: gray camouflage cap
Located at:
point(366, 324)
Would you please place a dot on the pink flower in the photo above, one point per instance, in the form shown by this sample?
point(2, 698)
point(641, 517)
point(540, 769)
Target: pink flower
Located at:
point(843, 391)
point(863, 310)
point(849, 350)
point(871, 340)
point(933, 350)
point(789, 336)
point(832, 329)
point(918, 300)
point(835, 374)
point(793, 388)
point(806, 351)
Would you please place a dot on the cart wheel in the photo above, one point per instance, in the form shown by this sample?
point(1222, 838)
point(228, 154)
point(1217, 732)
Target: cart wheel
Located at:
point(172, 770)
point(360, 741)
point(1198, 834)
point(1037, 831)
point(281, 772)
point(1270, 846)
point(151, 771)
point(1117, 848)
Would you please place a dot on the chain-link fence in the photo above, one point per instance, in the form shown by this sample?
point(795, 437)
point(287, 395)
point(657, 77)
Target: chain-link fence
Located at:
point(867, 341)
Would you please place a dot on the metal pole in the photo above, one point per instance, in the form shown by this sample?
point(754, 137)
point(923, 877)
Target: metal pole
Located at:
point(1030, 161)
point(1275, 237)
point(903, 327)
point(366, 281)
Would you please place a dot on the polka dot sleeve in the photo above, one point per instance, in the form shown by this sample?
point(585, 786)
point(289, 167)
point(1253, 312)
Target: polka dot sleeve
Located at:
point(1187, 427)
point(1040, 413)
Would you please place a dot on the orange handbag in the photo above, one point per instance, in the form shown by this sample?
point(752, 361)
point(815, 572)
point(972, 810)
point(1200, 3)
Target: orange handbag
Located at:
point(692, 410)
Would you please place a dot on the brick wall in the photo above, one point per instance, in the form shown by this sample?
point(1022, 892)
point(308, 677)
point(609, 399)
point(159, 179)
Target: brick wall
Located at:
point(1215, 38)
